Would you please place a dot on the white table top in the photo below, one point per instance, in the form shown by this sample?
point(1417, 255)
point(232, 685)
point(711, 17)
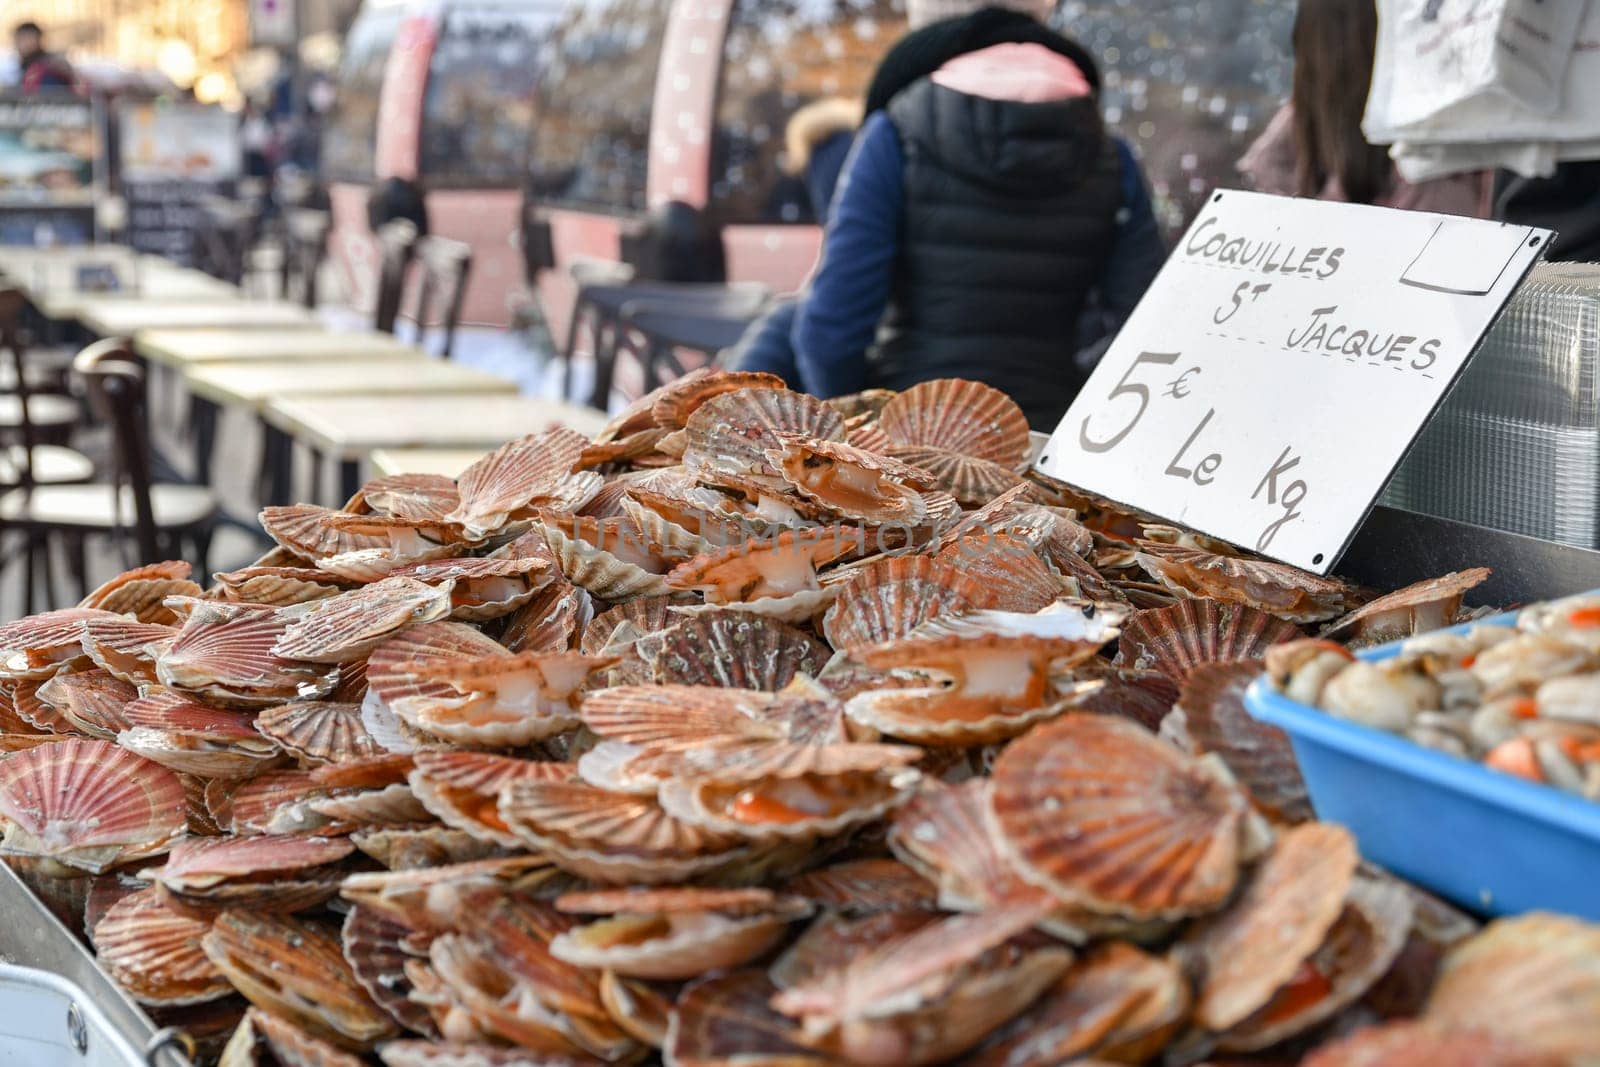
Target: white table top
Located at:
point(186, 347)
point(449, 462)
point(166, 282)
point(253, 384)
point(113, 316)
point(352, 427)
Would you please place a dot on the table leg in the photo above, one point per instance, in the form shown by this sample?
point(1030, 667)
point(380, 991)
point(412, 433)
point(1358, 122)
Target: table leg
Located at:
point(203, 427)
point(349, 479)
point(316, 475)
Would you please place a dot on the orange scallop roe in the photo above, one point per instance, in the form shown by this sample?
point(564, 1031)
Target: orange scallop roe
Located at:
point(1517, 757)
point(488, 813)
point(1525, 708)
point(1307, 987)
point(1587, 618)
point(751, 806)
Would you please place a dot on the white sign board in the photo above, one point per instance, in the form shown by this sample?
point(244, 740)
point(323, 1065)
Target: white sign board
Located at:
point(1275, 373)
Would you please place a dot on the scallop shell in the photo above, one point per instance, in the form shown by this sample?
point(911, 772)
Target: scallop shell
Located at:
point(224, 652)
point(1288, 905)
point(735, 650)
point(426, 901)
point(608, 557)
point(501, 700)
point(306, 531)
point(777, 568)
point(765, 810)
point(1177, 639)
point(643, 615)
point(972, 481)
point(1053, 532)
point(35, 713)
point(401, 848)
point(959, 416)
point(888, 598)
point(852, 481)
point(294, 1047)
point(608, 837)
point(349, 625)
point(371, 945)
point(270, 803)
point(520, 476)
point(1416, 609)
point(947, 834)
point(1411, 1042)
point(680, 717)
point(278, 873)
point(864, 887)
point(1010, 574)
point(365, 772)
point(318, 731)
point(40, 645)
point(1102, 1002)
point(733, 432)
point(412, 496)
point(1105, 816)
point(126, 647)
point(142, 592)
point(1536, 977)
point(633, 447)
point(153, 952)
point(728, 1019)
point(88, 804)
point(680, 529)
point(1276, 588)
point(398, 542)
point(638, 1008)
point(462, 789)
point(1258, 754)
point(469, 1054)
point(1144, 697)
point(104, 891)
point(1362, 945)
point(678, 400)
point(390, 669)
point(276, 586)
point(393, 805)
point(296, 970)
point(483, 588)
point(551, 621)
point(91, 701)
point(171, 729)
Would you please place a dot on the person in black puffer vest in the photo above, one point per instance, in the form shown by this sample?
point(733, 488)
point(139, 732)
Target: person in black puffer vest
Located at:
point(975, 215)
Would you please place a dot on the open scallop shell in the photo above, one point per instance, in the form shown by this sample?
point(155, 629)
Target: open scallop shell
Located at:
point(126, 647)
point(393, 668)
point(1290, 902)
point(973, 482)
point(270, 803)
point(782, 569)
point(1053, 532)
point(371, 945)
point(551, 621)
point(888, 598)
point(728, 1019)
point(1259, 754)
point(1276, 588)
point(1361, 946)
point(470, 1054)
point(681, 528)
point(1535, 977)
point(224, 652)
point(1012, 576)
point(392, 805)
point(946, 833)
point(675, 718)
point(349, 625)
point(88, 804)
point(733, 649)
point(1416, 609)
point(852, 481)
point(1177, 639)
point(958, 416)
point(412, 496)
point(40, 645)
point(674, 934)
point(609, 837)
point(521, 476)
point(733, 432)
point(1144, 697)
point(276, 586)
point(864, 887)
point(91, 701)
point(291, 1046)
point(35, 713)
point(501, 700)
point(484, 587)
point(1107, 817)
point(142, 592)
point(1117, 1002)
point(1417, 1041)
point(792, 808)
point(270, 873)
point(318, 731)
point(462, 789)
point(180, 733)
point(611, 558)
point(153, 952)
point(402, 848)
point(296, 970)
point(677, 400)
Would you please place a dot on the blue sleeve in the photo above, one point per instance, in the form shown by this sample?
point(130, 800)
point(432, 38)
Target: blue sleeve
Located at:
point(839, 317)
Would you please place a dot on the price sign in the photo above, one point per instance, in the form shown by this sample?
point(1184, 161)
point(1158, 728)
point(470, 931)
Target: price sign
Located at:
point(1277, 370)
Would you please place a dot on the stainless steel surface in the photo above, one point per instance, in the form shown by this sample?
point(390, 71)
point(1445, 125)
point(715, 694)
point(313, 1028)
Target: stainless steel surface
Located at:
point(1516, 445)
point(1395, 548)
point(31, 937)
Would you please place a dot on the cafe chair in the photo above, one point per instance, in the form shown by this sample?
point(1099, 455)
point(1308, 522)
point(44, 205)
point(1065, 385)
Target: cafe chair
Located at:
point(305, 249)
point(443, 266)
point(31, 415)
point(397, 243)
point(657, 332)
point(148, 522)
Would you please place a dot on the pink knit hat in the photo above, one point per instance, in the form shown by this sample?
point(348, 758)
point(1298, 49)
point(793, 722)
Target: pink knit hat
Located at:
point(921, 12)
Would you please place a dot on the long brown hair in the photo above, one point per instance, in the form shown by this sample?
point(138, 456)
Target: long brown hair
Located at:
point(1334, 42)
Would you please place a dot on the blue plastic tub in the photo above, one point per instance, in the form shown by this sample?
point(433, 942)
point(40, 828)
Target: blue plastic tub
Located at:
point(1488, 841)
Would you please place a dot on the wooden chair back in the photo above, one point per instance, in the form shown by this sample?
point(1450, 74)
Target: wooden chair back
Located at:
point(115, 383)
point(397, 242)
point(445, 265)
point(305, 248)
point(13, 303)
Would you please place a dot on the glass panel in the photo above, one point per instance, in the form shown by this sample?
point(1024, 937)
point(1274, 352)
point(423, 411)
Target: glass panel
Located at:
point(1189, 86)
point(351, 136)
point(780, 56)
point(479, 99)
point(591, 128)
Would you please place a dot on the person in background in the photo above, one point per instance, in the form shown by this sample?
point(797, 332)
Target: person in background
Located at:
point(397, 198)
point(982, 203)
point(41, 71)
point(1314, 146)
point(816, 144)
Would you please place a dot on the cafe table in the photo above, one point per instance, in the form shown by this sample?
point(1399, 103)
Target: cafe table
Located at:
point(449, 462)
point(184, 348)
point(349, 429)
point(166, 282)
point(113, 316)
